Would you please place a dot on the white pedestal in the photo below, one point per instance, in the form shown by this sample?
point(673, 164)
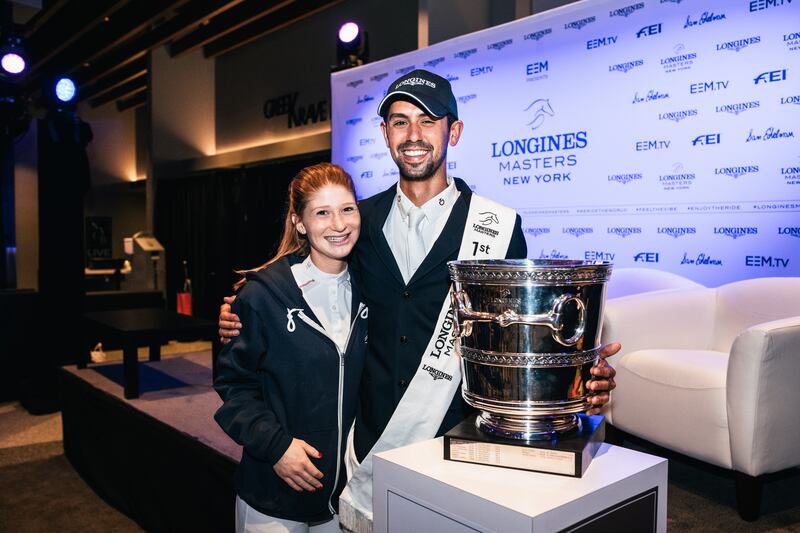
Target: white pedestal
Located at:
point(416, 490)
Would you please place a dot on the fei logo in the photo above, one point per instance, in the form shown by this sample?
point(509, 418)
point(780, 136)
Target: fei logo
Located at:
point(770, 76)
point(647, 31)
point(539, 110)
point(646, 257)
point(366, 174)
point(710, 138)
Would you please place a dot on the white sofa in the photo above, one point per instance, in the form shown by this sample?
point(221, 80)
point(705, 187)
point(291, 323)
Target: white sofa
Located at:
point(627, 281)
point(712, 373)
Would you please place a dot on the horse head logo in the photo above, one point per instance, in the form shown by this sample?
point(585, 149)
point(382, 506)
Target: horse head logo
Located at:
point(488, 219)
point(540, 109)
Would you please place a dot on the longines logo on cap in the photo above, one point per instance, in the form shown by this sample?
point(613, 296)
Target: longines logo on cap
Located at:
point(577, 231)
point(624, 231)
point(735, 232)
point(627, 10)
point(676, 231)
point(535, 232)
point(414, 82)
point(432, 63)
point(736, 172)
point(536, 35)
point(579, 24)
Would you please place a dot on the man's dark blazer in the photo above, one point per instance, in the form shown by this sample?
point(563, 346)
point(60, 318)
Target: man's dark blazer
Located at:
point(402, 317)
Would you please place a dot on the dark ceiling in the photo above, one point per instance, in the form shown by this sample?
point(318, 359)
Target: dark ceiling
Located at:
point(103, 44)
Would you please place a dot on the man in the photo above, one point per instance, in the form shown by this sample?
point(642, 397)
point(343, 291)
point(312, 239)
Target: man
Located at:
point(409, 233)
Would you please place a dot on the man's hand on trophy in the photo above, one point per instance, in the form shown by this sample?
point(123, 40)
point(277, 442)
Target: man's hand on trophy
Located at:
point(229, 324)
point(602, 381)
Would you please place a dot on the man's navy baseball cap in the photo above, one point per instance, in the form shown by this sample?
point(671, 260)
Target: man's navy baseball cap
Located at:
point(431, 92)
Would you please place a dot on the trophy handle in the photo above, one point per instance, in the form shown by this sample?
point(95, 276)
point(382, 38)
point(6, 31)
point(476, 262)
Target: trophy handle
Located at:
point(553, 319)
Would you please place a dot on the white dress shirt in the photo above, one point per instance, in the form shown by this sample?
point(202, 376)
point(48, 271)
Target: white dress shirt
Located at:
point(329, 296)
point(396, 228)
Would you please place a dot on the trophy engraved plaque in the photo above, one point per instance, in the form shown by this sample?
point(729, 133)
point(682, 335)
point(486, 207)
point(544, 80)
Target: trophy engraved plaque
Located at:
point(528, 332)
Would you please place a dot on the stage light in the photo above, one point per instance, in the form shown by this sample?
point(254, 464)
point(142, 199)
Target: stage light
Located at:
point(351, 46)
point(348, 32)
point(12, 63)
point(12, 58)
point(65, 90)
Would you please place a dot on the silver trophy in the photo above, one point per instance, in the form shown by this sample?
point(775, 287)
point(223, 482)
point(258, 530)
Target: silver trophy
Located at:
point(528, 331)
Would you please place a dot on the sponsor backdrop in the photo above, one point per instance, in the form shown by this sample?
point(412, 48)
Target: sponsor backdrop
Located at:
point(660, 133)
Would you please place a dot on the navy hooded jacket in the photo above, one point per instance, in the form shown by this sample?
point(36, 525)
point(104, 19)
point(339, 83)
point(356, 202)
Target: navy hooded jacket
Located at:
point(279, 379)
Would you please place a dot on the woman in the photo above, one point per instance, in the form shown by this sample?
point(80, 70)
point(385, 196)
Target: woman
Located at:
point(289, 381)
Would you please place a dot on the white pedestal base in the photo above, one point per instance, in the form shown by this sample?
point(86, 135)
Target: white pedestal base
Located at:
point(416, 490)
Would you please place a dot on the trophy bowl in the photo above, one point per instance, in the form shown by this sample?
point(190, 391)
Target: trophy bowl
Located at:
point(528, 332)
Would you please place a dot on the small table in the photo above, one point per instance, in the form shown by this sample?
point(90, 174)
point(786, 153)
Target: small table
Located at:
point(143, 327)
point(415, 489)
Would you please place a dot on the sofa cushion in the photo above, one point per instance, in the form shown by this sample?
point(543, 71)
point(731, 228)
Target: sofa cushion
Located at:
point(690, 415)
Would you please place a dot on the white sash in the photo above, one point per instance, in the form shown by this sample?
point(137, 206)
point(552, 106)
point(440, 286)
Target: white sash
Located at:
point(420, 412)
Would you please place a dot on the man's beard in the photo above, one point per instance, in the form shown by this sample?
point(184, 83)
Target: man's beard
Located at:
point(418, 173)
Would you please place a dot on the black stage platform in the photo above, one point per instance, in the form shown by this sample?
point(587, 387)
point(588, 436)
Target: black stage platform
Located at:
point(160, 459)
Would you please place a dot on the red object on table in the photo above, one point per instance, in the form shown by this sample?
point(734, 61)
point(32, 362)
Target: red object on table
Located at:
point(185, 303)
